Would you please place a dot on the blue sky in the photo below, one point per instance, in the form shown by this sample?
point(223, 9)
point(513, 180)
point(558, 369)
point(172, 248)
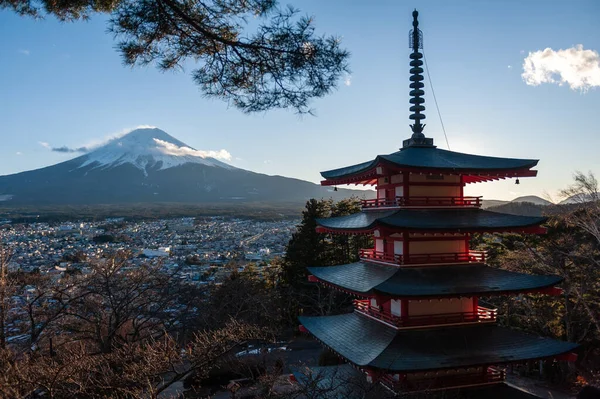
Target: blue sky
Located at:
point(64, 84)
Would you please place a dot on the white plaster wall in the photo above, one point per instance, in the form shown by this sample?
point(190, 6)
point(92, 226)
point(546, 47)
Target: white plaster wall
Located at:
point(399, 191)
point(379, 245)
point(395, 307)
point(398, 247)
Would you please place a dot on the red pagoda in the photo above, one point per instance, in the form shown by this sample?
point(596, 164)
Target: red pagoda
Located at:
point(418, 323)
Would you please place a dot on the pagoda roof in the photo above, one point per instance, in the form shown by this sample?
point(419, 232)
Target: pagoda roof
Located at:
point(456, 220)
point(430, 158)
point(427, 349)
point(430, 281)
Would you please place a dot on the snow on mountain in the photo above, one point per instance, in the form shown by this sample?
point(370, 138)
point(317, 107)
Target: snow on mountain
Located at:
point(150, 166)
point(150, 148)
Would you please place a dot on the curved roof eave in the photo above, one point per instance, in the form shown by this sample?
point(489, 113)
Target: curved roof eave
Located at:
point(431, 220)
point(445, 348)
point(443, 280)
point(434, 159)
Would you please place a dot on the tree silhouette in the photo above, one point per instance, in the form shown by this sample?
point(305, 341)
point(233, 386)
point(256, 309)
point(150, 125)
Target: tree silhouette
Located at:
point(281, 63)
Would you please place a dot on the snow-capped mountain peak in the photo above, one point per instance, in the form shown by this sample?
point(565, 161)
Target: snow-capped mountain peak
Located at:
point(150, 148)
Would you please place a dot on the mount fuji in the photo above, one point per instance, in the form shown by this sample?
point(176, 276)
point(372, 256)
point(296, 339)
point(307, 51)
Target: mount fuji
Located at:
point(149, 165)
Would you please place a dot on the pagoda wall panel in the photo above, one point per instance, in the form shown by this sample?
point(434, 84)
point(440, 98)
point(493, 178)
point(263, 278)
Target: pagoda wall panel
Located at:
point(445, 374)
point(437, 247)
point(440, 306)
point(426, 178)
point(434, 191)
point(395, 179)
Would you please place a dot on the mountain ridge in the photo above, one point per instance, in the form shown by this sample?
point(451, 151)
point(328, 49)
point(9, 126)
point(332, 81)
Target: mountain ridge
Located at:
point(149, 165)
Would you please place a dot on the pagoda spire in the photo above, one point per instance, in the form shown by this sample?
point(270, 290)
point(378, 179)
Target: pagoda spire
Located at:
point(416, 79)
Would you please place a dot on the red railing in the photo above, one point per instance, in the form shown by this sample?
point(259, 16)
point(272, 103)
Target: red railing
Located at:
point(491, 375)
point(439, 201)
point(481, 314)
point(421, 201)
point(450, 257)
point(379, 203)
point(371, 254)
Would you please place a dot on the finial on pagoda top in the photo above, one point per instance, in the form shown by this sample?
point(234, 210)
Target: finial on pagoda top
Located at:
point(416, 42)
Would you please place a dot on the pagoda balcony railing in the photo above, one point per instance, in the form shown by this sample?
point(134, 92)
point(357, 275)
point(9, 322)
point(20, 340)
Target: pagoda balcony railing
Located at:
point(416, 259)
point(442, 380)
point(449, 257)
point(371, 254)
point(481, 314)
point(380, 203)
point(421, 201)
point(440, 201)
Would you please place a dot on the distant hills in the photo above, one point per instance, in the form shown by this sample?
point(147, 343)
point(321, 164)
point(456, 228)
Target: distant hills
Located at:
point(529, 205)
point(533, 199)
point(151, 166)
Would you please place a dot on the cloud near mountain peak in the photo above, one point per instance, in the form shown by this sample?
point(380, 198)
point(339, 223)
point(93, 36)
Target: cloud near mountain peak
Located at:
point(171, 149)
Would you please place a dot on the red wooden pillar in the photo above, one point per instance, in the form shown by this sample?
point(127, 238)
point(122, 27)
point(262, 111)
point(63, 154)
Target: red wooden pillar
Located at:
point(405, 248)
point(476, 307)
point(404, 308)
point(389, 246)
point(405, 190)
point(467, 242)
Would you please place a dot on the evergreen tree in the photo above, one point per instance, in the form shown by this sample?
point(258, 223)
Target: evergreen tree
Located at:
point(281, 63)
point(309, 248)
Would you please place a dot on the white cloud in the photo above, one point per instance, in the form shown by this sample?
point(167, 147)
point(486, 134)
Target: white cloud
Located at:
point(348, 80)
point(510, 67)
point(171, 149)
point(267, 162)
point(576, 67)
point(95, 143)
point(24, 52)
point(19, 153)
point(44, 144)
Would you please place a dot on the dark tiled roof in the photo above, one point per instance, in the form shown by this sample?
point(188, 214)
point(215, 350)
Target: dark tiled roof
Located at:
point(431, 220)
point(439, 280)
point(435, 158)
point(366, 342)
point(359, 220)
